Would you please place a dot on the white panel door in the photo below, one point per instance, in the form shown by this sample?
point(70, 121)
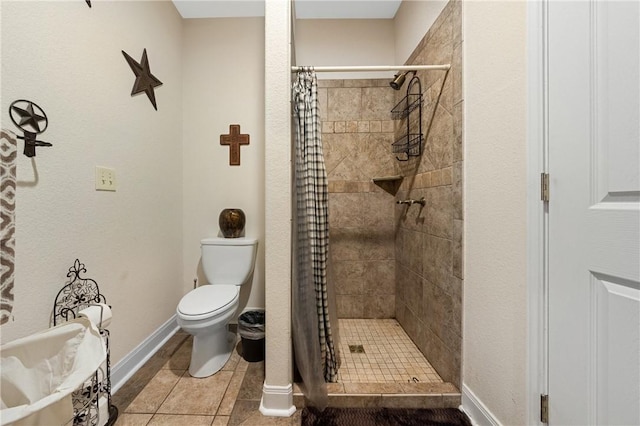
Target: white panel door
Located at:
point(594, 232)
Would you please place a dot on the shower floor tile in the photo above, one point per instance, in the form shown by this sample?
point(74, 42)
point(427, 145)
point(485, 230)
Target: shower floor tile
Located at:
point(379, 351)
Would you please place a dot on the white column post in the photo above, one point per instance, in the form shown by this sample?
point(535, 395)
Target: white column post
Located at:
point(277, 393)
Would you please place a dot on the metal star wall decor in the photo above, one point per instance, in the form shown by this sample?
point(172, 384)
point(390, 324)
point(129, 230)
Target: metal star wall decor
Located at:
point(27, 118)
point(23, 114)
point(88, 2)
point(145, 81)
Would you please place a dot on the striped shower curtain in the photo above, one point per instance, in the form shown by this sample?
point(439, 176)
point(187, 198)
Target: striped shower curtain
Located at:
point(313, 332)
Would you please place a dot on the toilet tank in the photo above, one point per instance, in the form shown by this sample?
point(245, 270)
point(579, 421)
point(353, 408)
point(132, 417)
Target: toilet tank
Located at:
point(228, 260)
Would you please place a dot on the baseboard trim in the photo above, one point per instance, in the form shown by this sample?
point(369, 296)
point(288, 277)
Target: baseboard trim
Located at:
point(277, 401)
point(127, 366)
point(474, 408)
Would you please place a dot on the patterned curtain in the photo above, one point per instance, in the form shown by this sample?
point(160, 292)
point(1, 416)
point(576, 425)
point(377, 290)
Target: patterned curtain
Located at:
point(314, 334)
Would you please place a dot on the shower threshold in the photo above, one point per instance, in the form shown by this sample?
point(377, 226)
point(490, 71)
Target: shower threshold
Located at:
point(382, 367)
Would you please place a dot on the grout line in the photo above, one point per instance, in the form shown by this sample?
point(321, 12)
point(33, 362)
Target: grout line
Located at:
point(170, 392)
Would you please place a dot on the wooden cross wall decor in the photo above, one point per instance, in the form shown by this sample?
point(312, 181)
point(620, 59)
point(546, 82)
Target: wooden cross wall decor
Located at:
point(234, 139)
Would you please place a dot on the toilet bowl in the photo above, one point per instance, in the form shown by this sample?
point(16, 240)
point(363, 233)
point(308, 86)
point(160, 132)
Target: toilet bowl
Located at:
point(206, 311)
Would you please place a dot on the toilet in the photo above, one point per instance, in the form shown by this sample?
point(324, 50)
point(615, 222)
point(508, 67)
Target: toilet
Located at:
point(205, 311)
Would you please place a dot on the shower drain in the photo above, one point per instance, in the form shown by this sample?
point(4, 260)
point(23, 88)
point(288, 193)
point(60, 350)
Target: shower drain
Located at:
point(356, 349)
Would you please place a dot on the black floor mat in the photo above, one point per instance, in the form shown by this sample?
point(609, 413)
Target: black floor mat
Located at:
point(384, 416)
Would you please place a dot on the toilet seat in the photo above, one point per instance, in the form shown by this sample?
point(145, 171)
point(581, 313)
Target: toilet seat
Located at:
point(207, 301)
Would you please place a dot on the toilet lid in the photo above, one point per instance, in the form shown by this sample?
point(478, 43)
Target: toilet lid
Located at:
point(207, 298)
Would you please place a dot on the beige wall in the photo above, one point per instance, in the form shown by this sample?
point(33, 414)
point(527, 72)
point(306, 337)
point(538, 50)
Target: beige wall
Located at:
point(223, 84)
point(378, 42)
point(412, 20)
point(332, 42)
point(67, 58)
point(495, 310)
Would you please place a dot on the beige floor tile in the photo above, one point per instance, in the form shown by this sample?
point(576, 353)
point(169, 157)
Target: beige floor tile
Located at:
point(411, 401)
point(335, 388)
point(257, 419)
point(181, 358)
point(220, 421)
point(253, 382)
point(197, 396)
point(179, 420)
point(243, 365)
point(143, 376)
point(416, 388)
point(230, 396)
point(242, 410)
point(155, 392)
point(377, 388)
point(296, 419)
point(355, 401)
point(232, 363)
point(126, 419)
point(451, 400)
point(390, 355)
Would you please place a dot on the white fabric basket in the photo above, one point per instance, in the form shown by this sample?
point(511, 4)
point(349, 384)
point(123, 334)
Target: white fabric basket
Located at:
point(39, 372)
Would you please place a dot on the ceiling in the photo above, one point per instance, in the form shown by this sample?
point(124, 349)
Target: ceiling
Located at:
point(305, 9)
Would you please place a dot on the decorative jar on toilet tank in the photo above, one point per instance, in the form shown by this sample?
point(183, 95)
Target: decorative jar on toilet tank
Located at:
point(231, 222)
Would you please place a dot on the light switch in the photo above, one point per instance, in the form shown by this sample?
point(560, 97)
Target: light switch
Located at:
point(105, 179)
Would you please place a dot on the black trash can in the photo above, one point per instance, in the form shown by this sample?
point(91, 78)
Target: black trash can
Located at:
point(251, 330)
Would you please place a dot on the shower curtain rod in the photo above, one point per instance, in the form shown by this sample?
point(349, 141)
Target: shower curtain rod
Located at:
point(376, 68)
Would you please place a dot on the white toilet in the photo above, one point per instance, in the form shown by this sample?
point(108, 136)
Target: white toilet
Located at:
point(206, 311)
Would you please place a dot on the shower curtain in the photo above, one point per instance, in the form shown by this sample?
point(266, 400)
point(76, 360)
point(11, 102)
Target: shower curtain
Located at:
point(314, 334)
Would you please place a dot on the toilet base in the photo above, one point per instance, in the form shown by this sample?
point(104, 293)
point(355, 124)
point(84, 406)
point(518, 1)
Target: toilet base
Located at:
point(210, 352)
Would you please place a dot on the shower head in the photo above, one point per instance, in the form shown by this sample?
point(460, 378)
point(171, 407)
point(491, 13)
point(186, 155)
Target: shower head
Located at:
point(398, 79)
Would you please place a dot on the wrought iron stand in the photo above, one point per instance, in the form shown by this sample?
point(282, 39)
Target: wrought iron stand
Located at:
point(80, 293)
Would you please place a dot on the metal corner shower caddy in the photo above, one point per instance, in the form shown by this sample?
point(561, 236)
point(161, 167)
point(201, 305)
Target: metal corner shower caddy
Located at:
point(410, 144)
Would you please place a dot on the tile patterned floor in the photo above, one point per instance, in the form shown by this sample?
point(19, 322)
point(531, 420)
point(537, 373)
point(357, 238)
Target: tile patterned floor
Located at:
point(389, 354)
point(163, 393)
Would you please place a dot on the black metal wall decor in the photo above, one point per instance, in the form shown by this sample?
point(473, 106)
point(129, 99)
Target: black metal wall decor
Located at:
point(145, 81)
point(88, 2)
point(27, 116)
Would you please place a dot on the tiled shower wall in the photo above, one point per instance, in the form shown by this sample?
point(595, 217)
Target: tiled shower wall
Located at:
point(428, 245)
point(357, 134)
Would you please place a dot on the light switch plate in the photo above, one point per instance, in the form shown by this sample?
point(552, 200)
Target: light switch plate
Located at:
point(105, 179)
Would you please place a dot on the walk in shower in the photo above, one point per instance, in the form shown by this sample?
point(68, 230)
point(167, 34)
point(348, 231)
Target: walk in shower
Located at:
point(397, 265)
